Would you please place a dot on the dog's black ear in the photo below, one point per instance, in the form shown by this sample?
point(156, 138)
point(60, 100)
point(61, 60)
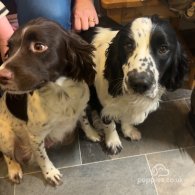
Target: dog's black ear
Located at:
point(116, 56)
point(78, 58)
point(113, 67)
point(174, 75)
point(116, 52)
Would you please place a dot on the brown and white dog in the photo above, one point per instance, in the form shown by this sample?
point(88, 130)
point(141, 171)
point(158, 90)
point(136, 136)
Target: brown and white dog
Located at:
point(44, 80)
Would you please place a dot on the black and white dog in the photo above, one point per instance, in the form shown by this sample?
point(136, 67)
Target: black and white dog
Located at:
point(135, 65)
point(45, 81)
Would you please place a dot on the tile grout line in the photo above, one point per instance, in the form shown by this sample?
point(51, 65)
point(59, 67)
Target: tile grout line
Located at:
point(14, 189)
point(81, 161)
point(187, 105)
point(109, 160)
point(187, 147)
point(151, 174)
point(121, 158)
point(125, 157)
point(174, 100)
point(66, 167)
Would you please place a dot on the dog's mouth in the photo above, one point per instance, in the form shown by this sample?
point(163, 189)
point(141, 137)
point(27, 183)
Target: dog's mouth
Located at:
point(152, 93)
point(15, 90)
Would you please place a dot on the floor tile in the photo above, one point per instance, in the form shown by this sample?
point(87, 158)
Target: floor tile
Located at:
point(64, 156)
point(6, 188)
point(116, 177)
point(178, 94)
point(164, 129)
point(174, 172)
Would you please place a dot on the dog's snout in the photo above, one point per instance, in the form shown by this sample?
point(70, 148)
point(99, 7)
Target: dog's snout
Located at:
point(5, 75)
point(139, 82)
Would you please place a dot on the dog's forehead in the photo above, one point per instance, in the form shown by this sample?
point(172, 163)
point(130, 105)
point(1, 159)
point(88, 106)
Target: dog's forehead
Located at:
point(33, 31)
point(22, 33)
point(39, 31)
point(141, 28)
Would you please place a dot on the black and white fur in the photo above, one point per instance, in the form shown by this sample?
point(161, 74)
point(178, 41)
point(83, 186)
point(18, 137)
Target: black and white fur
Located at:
point(45, 89)
point(135, 65)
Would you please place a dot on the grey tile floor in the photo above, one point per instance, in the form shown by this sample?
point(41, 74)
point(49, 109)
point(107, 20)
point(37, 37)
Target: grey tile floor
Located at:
point(162, 163)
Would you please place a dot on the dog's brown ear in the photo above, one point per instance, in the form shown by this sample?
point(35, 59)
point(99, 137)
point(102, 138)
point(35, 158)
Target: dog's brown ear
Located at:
point(79, 58)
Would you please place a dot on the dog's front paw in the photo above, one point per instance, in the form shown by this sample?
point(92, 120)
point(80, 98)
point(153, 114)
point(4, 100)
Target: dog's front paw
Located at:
point(93, 136)
point(133, 134)
point(15, 172)
point(113, 144)
point(114, 148)
point(53, 176)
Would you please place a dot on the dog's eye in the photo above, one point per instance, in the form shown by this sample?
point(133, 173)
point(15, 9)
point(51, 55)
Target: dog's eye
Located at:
point(38, 47)
point(128, 46)
point(163, 49)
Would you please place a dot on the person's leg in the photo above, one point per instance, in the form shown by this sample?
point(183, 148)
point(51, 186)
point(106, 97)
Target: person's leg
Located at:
point(191, 116)
point(59, 11)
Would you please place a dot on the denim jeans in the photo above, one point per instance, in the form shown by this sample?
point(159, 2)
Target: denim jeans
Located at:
point(57, 10)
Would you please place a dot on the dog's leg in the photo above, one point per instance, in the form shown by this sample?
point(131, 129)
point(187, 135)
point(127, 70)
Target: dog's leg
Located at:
point(90, 132)
point(96, 120)
point(14, 170)
point(7, 139)
point(112, 139)
point(7, 145)
point(51, 174)
point(130, 131)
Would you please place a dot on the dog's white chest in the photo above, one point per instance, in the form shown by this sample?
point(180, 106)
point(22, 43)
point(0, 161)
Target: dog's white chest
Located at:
point(57, 106)
point(52, 110)
point(130, 109)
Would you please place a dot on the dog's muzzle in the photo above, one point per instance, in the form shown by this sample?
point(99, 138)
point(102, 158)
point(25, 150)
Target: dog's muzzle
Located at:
point(140, 82)
point(5, 76)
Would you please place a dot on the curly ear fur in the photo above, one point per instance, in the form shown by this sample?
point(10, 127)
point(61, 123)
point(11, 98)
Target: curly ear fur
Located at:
point(174, 75)
point(113, 70)
point(78, 58)
point(115, 58)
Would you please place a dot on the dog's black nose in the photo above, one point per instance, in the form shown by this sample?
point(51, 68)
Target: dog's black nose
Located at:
point(139, 82)
point(5, 75)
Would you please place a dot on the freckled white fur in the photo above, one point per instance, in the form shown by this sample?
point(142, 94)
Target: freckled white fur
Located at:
point(132, 108)
point(141, 31)
point(64, 112)
point(53, 111)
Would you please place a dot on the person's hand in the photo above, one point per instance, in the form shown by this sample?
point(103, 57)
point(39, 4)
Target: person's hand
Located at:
point(84, 15)
point(6, 32)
